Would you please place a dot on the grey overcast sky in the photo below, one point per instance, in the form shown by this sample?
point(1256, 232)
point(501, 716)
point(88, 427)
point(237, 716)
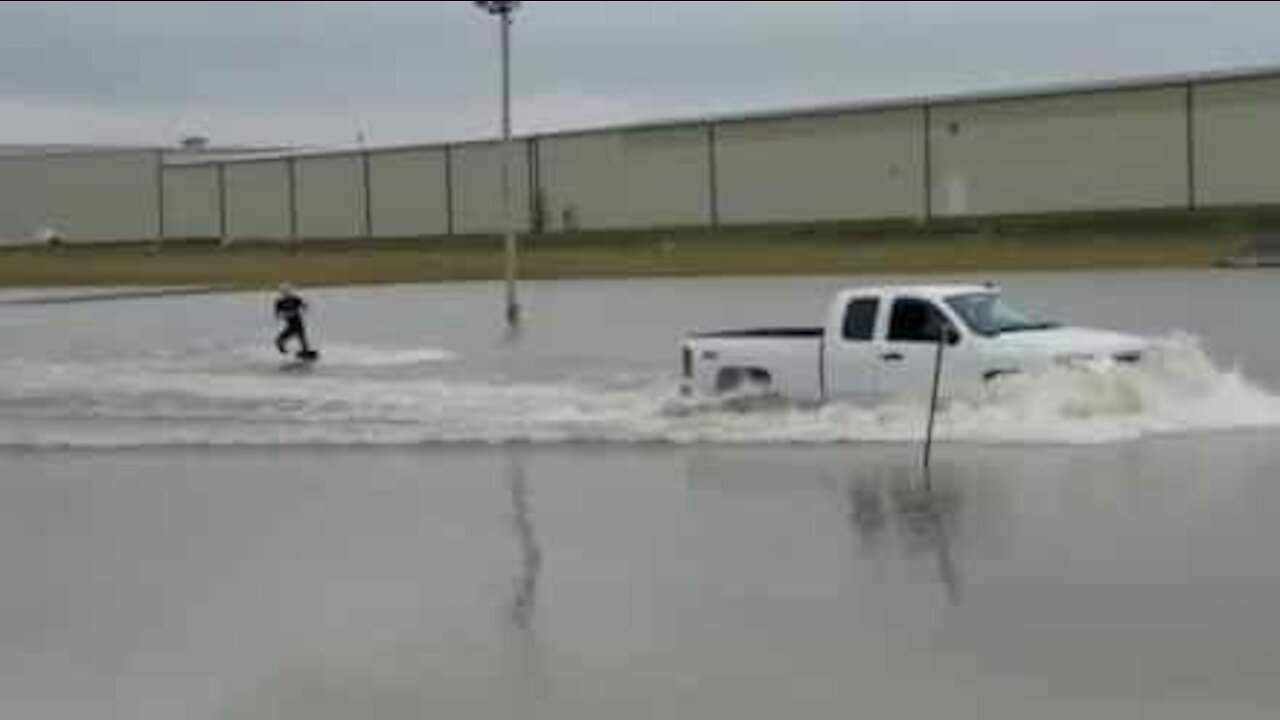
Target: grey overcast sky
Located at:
point(319, 73)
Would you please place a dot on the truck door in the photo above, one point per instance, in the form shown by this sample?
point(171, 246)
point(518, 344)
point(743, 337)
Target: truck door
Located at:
point(850, 358)
point(907, 355)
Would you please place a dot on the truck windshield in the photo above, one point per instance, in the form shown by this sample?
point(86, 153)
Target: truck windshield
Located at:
point(988, 314)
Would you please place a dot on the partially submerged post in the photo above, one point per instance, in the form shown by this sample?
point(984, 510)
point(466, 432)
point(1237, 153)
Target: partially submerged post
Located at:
point(944, 335)
point(503, 9)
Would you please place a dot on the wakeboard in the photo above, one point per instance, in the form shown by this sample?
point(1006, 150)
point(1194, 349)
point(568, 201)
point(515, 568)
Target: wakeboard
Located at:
point(301, 360)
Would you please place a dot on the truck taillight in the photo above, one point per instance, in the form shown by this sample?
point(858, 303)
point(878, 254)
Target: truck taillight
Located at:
point(686, 362)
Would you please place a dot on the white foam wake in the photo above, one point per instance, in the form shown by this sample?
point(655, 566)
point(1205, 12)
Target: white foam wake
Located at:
point(92, 405)
point(356, 356)
point(1177, 390)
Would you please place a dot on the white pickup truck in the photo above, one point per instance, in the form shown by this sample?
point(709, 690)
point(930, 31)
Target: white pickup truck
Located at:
point(880, 343)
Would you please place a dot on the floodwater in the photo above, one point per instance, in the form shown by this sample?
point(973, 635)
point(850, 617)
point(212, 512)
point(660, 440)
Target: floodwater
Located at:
point(441, 521)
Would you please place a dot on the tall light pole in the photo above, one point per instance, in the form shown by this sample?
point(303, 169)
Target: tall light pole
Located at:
point(503, 10)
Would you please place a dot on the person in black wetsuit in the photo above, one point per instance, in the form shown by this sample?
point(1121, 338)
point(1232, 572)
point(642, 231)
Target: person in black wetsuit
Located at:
point(290, 308)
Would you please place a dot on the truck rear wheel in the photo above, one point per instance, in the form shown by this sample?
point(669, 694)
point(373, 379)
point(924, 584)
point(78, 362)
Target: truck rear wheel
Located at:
point(736, 379)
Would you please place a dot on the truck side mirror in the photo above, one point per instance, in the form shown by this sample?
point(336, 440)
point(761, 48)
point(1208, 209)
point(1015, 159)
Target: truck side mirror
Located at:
point(950, 335)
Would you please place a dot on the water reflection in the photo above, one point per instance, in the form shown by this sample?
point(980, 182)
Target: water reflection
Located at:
point(525, 661)
point(524, 597)
point(924, 516)
point(980, 507)
point(895, 511)
point(683, 576)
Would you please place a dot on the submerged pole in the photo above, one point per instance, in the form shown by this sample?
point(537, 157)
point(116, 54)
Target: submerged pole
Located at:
point(933, 400)
point(508, 191)
point(503, 10)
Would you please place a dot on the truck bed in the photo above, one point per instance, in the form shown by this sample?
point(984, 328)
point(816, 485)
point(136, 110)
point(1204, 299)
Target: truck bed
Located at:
point(785, 360)
point(815, 332)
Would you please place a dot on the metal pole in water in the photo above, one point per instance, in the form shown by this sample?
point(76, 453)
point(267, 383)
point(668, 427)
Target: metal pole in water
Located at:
point(508, 151)
point(503, 10)
point(933, 400)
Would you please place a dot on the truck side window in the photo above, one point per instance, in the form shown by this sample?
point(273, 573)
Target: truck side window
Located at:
point(860, 320)
point(915, 321)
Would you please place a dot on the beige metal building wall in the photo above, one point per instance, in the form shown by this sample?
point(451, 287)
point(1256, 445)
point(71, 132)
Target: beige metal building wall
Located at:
point(1237, 142)
point(258, 200)
point(580, 182)
point(626, 179)
point(22, 199)
point(410, 194)
point(91, 197)
point(477, 188)
point(331, 196)
point(1093, 151)
point(191, 209)
point(842, 167)
point(106, 197)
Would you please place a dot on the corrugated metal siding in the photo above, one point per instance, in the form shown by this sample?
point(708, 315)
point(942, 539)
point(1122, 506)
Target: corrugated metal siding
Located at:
point(191, 203)
point(1101, 151)
point(477, 184)
point(1237, 138)
point(1088, 150)
point(844, 167)
point(331, 197)
point(23, 197)
point(86, 198)
point(633, 179)
point(410, 197)
point(258, 200)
